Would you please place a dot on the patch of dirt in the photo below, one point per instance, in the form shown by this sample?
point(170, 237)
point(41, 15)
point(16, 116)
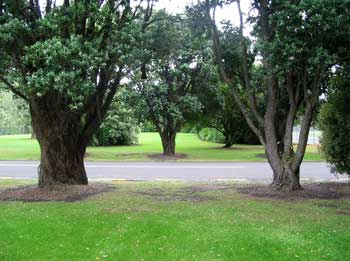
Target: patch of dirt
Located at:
point(262, 156)
point(343, 212)
point(178, 195)
point(128, 154)
point(161, 157)
point(123, 210)
point(233, 148)
point(310, 191)
point(208, 187)
point(67, 193)
point(340, 209)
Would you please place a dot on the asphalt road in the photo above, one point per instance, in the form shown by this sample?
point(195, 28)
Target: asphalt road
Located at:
point(172, 171)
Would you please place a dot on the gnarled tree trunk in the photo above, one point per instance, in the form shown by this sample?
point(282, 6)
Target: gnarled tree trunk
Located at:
point(285, 177)
point(58, 131)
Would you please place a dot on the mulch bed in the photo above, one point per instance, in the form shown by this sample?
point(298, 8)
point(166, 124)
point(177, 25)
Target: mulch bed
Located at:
point(309, 191)
point(162, 157)
point(67, 193)
point(262, 156)
point(180, 195)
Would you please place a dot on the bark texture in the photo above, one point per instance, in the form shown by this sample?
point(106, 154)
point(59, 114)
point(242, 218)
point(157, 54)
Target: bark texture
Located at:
point(58, 132)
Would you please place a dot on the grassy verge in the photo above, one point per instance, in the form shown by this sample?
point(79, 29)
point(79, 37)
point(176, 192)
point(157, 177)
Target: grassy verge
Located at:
point(169, 221)
point(21, 147)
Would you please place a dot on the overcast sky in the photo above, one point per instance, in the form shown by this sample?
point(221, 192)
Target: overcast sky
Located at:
point(227, 13)
point(176, 6)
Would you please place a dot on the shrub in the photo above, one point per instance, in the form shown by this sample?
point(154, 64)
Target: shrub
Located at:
point(120, 126)
point(334, 121)
point(211, 134)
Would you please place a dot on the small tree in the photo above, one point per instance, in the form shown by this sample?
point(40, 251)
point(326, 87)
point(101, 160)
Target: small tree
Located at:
point(164, 88)
point(334, 122)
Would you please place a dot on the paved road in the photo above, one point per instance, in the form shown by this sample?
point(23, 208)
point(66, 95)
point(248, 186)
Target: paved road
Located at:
point(172, 171)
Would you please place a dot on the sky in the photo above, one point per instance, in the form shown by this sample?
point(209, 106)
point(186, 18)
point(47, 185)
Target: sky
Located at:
point(176, 6)
point(227, 13)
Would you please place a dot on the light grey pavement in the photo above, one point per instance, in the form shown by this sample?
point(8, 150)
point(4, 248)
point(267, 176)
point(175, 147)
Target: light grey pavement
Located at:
point(254, 171)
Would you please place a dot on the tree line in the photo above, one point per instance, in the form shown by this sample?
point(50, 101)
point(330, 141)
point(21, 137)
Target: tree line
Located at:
point(69, 62)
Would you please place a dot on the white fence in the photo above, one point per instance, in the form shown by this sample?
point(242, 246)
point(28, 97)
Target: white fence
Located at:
point(314, 135)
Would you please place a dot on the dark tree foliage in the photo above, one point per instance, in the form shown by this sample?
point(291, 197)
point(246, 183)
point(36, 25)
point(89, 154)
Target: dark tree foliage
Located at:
point(66, 61)
point(220, 110)
point(334, 122)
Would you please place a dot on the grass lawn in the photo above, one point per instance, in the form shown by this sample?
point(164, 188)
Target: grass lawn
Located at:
point(21, 147)
point(163, 221)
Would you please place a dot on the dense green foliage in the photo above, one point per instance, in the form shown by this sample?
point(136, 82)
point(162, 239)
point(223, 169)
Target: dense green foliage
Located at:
point(58, 54)
point(211, 134)
point(334, 121)
point(120, 126)
point(223, 118)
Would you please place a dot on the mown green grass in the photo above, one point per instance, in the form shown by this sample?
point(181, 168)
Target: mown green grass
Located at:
point(21, 147)
point(126, 224)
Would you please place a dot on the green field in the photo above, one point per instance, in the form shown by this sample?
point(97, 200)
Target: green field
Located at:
point(173, 221)
point(22, 147)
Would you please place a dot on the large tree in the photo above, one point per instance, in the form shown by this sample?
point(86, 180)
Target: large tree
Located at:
point(67, 62)
point(164, 84)
point(296, 42)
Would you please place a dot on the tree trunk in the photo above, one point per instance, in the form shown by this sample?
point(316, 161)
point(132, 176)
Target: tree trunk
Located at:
point(168, 143)
point(58, 131)
point(33, 136)
point(228, 142)
point(61, 162)
point(286, 179)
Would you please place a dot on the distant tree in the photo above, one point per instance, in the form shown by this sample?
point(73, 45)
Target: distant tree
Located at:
point(164, 85)
point(334, 122)
point(220, 110)
point(67, 62)
point(231, 123)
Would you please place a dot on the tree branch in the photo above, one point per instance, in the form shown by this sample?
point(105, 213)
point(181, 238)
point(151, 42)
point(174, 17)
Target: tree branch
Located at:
point(218, 57)
point(251, 93)
point(307, 119)
point(13, 89)
point(288, 136)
